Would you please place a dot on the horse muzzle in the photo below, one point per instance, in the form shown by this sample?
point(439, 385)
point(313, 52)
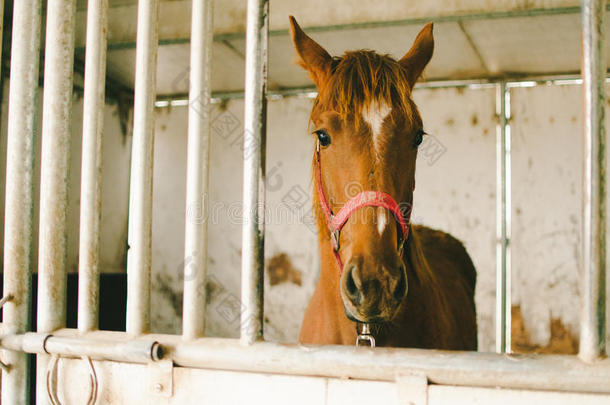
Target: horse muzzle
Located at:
point(372, 295)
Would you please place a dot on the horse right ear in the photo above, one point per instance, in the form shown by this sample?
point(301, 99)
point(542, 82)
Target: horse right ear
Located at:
point(312, 57)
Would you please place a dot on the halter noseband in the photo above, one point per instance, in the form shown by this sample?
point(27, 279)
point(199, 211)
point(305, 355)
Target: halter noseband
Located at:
point(363, 199)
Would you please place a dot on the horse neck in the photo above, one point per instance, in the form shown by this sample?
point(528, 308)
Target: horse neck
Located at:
point(428, 286)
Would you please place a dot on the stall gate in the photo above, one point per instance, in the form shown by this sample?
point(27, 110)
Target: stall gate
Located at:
point(86, 365)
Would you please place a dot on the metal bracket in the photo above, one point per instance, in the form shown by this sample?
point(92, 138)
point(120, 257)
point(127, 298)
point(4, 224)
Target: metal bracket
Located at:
point(161, 378)
point(412, 389)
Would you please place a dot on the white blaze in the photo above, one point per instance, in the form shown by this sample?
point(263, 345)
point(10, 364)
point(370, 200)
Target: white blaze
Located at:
point(374, 115)
point(382, 220)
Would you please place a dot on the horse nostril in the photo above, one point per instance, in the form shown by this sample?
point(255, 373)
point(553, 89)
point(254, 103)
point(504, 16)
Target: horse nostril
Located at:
point(350, 286)
point(401, 288)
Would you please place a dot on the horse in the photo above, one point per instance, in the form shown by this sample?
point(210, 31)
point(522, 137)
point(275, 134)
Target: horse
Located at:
point(412, 285)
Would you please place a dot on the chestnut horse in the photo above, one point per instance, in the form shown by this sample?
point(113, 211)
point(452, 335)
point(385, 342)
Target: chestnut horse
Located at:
point(414, 285)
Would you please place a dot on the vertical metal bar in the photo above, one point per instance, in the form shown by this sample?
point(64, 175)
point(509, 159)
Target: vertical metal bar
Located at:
point(255, 117)
point(140, 191)
point(56, 131)
point(25, 53)
point(593, 273)
point(91, 168)
point(55, 163)
point(195, 239)
point(503, 220)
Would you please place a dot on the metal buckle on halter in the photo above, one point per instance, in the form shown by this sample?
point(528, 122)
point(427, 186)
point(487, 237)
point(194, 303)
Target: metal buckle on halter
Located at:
point(365, 338)
point(334, 239)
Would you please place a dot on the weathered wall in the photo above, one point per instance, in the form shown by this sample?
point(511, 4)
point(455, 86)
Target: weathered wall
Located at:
point(547, 182)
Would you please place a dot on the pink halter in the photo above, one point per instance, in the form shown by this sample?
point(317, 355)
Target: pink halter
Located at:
point(364, 199)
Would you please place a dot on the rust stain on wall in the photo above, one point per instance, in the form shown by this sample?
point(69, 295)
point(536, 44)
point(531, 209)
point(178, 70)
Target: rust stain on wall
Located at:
point(281, 270)
point(212, 290)
point(474, 120)
point(562, 341)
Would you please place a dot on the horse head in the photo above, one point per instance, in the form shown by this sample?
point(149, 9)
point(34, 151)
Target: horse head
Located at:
point(366, 130)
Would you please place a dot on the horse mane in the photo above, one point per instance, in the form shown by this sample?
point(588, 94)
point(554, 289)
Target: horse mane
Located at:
point(360, 78)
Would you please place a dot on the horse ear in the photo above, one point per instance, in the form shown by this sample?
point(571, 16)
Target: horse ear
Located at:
point(312, 57)
point(419, 55)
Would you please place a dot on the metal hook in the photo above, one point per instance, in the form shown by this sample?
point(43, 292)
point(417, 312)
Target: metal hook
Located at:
point(52, 381)
point(94, 383)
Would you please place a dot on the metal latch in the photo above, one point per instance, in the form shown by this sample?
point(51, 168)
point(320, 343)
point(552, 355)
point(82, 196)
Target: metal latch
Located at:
point(412, 389)
point(161, 378)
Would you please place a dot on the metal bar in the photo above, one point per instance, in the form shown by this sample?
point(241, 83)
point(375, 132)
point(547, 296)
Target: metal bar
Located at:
point(255, 117)
point(217, 97)
point(91, 172)
point(503, 221)
point(56, 131)
point(141, 182)
point(198, 162)
point(54, 168)
point(593, 273)
point(98, 347)
point(230, 36)
point(25, 51)
point(541, 372)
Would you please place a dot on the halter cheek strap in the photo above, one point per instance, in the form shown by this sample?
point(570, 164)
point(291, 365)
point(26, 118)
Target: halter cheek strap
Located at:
point(364, 199)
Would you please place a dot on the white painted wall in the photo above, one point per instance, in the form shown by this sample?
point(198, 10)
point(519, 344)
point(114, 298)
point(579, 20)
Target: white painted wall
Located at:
point(547, 182)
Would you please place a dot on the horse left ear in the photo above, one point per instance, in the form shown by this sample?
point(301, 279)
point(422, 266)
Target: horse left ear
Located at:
point(419, 55)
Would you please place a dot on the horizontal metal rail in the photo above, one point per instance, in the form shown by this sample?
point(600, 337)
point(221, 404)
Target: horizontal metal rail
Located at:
point(105, 347)
point(181, 100)
point(473, 369)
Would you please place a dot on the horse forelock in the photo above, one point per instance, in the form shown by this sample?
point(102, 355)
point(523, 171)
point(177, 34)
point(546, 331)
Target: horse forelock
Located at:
point(361, 79)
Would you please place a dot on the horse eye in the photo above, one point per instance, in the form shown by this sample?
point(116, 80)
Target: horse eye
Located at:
point(419, 137)
point(323, 137)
